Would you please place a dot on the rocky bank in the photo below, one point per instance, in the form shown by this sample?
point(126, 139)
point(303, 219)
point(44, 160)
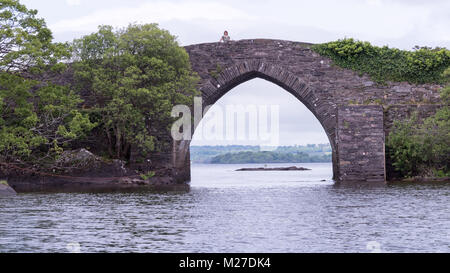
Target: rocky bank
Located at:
point(82, 171)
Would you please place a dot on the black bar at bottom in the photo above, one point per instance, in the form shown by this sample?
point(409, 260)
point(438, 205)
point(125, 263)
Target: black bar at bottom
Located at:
point(185, 262)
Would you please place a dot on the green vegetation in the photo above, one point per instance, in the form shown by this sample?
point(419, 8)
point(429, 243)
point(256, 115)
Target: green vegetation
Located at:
point(4, 182)
point(148, 175)
point(25, 40)
point(136, 75)
point(422, 65)
point(423, 148)
point(37, 117)
point(252, 154)
point(215, 73)
point(125, 84)
point(204, 154)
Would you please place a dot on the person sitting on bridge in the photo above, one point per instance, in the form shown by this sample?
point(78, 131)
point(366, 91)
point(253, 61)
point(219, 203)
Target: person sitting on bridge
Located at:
point(225, 38)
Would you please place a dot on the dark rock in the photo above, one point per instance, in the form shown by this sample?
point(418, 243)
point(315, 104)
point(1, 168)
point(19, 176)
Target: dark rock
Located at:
point(293, 168)
point(6, 190)
point(81, 158)
point(35, 183)
point(83, 163)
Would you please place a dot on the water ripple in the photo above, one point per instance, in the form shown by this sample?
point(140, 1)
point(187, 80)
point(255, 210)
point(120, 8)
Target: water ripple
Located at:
point(235, 212)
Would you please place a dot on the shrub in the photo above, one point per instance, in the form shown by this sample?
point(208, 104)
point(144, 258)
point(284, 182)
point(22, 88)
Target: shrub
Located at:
point(423, 148)
point(148, 175)
point(422, 65)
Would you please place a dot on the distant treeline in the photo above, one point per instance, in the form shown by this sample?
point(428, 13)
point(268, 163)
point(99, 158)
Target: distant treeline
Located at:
point(252, 154)
point(269, 157)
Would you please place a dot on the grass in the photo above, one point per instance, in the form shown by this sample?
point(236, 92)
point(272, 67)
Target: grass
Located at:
point(4, 182)
point(148, 175)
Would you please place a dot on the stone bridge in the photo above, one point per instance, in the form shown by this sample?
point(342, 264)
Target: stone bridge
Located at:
point(355, 112)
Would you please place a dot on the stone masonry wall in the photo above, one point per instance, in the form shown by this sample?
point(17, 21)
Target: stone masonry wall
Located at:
point(331, 84)
point(361, 143)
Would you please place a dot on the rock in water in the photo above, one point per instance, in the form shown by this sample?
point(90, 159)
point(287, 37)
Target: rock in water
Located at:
point(6, 190)
point(293, 168)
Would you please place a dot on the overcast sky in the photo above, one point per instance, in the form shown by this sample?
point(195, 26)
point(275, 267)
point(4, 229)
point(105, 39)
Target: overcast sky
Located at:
point(397, 23)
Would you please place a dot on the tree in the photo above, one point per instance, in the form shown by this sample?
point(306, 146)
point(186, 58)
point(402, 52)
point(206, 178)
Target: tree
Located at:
point(134, 75)
point(436, 133)
point(25, 40)
point(36, 116)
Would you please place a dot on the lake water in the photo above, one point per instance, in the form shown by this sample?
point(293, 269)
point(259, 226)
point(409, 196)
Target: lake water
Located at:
point(228, 211)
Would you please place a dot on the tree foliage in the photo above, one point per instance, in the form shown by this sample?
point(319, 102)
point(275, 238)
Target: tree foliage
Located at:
point(135, 76)
point(36, 116)
point(127, 82)
point(422, 65)
point(25, 40)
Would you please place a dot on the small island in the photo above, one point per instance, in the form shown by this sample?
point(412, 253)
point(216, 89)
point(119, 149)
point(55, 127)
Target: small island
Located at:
point(293, 168)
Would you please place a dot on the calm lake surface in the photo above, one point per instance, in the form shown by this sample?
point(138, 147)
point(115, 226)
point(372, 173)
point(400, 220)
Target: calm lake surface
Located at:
point(228, 211)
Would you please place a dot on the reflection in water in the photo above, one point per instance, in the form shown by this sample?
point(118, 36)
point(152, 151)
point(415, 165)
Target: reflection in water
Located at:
point(229, 211)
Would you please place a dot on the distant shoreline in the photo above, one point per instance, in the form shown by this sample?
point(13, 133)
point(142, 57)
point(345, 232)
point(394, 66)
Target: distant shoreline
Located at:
point(238, 154)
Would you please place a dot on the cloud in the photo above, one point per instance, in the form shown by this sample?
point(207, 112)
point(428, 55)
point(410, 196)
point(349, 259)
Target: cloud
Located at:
point(150, 12)
point(73, 2)
point(399, 23)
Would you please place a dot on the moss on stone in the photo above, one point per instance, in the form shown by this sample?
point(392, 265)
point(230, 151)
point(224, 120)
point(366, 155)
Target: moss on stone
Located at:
point(215, 73)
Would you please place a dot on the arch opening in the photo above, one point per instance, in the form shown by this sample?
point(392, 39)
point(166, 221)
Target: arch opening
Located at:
point(300, 123)
point(324, 113)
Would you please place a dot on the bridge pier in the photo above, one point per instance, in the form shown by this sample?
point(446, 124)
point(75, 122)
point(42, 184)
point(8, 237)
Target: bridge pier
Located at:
point(360, 144)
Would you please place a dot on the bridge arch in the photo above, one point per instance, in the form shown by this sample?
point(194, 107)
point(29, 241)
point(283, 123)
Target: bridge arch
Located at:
point(234, 75)
point(237, 74)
